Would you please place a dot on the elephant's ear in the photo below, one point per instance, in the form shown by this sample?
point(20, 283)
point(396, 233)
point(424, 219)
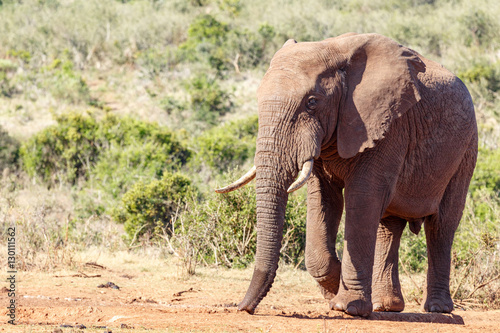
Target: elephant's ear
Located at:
point(382, 84)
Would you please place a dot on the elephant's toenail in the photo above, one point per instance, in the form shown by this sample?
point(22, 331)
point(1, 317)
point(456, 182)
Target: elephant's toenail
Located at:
point(378, 307)
point(352, 310)
point(338, 307)
point(435, 308)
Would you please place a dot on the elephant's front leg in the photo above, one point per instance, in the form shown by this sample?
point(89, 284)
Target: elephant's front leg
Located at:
point(324, 211)
point(386, 289)
point(363, 213)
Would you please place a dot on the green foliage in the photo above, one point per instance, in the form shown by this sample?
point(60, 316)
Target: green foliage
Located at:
point(63, 152)
point(155, 61)
point(148, 208)
point(7, 88)
point(227, 146)
point(413, 251)
point(206, 37)
point(208, 100)
point(63, 82)
point(223, 46)
point(9, 151)
point(487, 172)
point(232, 7)
point(68, 151)
point(480, 27)
point(23, 55)
point(221, 229)
point(484, 73)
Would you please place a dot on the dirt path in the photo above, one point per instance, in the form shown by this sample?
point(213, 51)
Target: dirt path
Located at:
point(155, 298)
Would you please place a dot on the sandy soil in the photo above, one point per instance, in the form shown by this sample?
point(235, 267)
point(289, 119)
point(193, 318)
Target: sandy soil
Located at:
point(155, 297)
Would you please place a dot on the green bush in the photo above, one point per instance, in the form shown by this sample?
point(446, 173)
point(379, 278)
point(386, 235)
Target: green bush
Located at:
point(120, 167)
point(69, 150)
point(9, 151)
point(154, 61)
point(148, 208)
point(63, 82)
point(63, 152)
point(480, 28)
point(206, 39)
point(221, 230)
point(224, 46)
point(208, 99)
point(7, 88)
point(413, 251)
point(487, 174)
point(483, 72)
point(227, 146)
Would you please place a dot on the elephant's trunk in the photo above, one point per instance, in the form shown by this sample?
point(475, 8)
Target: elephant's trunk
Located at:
point(271, 204)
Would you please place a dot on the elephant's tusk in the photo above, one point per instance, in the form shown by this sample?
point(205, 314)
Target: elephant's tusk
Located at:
point(247, 177)
point(304, 176)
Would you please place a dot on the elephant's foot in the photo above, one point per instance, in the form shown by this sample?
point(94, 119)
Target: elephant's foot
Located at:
point(438, 303)
point(352, 303)
point(328, 295)
point(329, 282)
point(393, 303)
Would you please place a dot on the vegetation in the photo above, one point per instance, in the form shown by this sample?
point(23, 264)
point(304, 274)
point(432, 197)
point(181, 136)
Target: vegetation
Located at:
point(9, 151)
point(150, 208)
point(120, 117)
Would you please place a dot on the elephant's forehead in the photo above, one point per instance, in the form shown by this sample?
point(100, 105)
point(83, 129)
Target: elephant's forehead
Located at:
point(294, 70)
point(287, 82)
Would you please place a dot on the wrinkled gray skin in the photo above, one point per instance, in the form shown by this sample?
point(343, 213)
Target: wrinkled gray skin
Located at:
point(394, 140)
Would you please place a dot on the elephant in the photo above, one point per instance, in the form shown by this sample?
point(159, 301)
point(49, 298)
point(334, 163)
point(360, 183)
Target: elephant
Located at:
point(374, 129)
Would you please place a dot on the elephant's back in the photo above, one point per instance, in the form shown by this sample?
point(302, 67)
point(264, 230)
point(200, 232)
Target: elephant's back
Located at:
point(445, 100)
point(445, 91)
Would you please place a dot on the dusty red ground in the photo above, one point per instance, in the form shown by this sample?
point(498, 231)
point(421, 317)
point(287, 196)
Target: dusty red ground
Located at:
point(156, 300)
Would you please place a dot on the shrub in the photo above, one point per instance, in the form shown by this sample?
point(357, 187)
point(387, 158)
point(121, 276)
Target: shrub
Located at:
point(7, 88)
point(480, 28)
point(69, 150)
point(208, 100)
point(63, 82)
point(483, 72)
point(224, 46)
point(9, 151)
point(154, 61)
point(148, 208)
point(227, 146)
point(119, 167)
point(221, 230)
point(486, 174)
point(206, 39)
point(63, 152)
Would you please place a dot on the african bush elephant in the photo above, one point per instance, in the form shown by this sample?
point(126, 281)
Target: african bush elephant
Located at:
point(374, 127)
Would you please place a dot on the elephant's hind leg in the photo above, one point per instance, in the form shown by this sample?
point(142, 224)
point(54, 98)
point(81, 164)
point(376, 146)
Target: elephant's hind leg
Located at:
point(386, 289)
point(439, 231)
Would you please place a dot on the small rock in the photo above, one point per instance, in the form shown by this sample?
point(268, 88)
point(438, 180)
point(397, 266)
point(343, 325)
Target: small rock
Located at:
point(126, 326)
point(108, 285)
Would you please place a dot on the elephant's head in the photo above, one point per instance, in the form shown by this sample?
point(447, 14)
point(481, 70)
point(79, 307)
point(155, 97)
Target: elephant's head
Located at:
point(346, 90)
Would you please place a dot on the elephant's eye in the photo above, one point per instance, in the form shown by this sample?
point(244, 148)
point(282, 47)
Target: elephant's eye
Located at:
point(312, 103)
